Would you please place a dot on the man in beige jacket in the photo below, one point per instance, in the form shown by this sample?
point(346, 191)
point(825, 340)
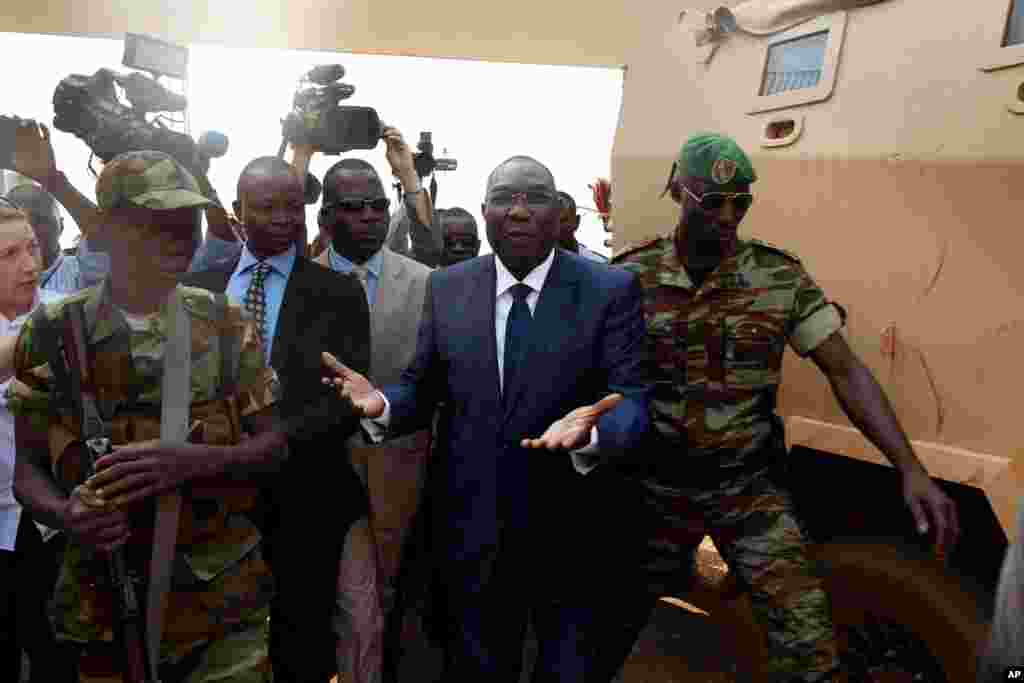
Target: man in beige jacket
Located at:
point(354, 217)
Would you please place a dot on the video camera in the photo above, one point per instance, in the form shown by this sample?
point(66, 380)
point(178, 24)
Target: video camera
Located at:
point(317, 119)
point(425, 161)
point(89, 108)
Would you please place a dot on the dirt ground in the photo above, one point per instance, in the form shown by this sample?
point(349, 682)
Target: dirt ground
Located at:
point(677, 646)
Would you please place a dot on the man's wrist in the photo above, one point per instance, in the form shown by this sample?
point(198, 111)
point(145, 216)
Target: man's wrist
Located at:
point(915, 469)
point(410, 183)
point(213, 461)
point(383, 408)
point(60, 514)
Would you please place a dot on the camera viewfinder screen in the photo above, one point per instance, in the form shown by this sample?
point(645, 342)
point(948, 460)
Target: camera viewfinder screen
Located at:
point(149, 54)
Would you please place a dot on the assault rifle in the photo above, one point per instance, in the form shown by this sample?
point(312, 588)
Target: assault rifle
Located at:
point(138, 668)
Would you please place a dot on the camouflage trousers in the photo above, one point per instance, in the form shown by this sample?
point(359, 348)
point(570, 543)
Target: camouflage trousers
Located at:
point(240, 657)
point(213, 632)
point(752, 523)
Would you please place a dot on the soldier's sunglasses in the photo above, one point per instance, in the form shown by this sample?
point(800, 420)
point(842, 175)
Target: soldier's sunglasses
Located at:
point(713, 201)
point(377, 204)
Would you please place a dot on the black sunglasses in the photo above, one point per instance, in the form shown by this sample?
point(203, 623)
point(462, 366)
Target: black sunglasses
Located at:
point(461, 241)
point(377, 204)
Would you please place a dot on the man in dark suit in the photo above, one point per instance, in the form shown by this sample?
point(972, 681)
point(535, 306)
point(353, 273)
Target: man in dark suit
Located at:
point(303, 309)
point(532, 340)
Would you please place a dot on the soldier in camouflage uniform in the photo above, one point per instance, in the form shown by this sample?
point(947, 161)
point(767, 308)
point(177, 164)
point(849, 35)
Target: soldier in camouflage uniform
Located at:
point(217, 605)
point(719, 311)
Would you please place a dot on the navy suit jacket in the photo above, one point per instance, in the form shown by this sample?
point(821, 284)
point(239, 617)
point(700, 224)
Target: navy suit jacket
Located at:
point(585, 342)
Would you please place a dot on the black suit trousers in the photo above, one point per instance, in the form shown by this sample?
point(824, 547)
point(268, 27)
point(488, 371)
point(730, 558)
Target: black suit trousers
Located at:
point(586, 621)
point(27, 577)
point(306, 501)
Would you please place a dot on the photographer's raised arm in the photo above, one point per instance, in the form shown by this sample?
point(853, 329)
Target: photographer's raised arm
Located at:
point(34, 158)
point(301, 156)
point(424, 231)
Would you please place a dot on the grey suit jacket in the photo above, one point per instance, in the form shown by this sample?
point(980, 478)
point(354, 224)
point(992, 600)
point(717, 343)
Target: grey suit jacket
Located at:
point(394, 316)
point(394, 323)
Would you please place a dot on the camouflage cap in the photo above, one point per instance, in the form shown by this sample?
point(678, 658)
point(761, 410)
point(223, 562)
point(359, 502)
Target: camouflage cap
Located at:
point(150, 179)
point(714, 157)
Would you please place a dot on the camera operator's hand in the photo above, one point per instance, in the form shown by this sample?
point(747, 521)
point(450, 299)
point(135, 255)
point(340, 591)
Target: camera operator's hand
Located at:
point(403, 167)
point(33, 153)
point(34, 157)
point(399, 155)
point(302, 154)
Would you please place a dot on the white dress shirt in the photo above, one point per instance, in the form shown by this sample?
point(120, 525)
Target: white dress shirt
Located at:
point(504, 300)
point(584, 459)
point(10, 510)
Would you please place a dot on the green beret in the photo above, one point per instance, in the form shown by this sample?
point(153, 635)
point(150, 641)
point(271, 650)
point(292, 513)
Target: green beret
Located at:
point(714, 157)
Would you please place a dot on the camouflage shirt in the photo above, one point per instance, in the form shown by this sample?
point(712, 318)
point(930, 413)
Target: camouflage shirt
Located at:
point(220, 582)
point(716, 350)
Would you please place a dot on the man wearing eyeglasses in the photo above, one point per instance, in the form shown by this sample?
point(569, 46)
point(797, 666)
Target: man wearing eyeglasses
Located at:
point(719, 311)
point(355, 217)
point(530, 341)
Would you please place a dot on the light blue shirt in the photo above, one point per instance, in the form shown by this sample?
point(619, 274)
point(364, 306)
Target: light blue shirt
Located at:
point(342, 265)
point(213, 250)
point(72, 273)
point(280, 269)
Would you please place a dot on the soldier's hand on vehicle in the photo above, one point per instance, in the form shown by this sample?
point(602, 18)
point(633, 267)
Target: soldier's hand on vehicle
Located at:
point(33, 153)
point(87, 519)
point(141, 470)
point(399, 153)
point(573, 431)
point(931, 508)
point(353, 387)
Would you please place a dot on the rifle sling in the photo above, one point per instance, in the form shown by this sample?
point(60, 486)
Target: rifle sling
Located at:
point(175, 396)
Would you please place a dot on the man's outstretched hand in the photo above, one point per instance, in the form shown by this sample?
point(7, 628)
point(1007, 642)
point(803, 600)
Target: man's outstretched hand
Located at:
point(353, 387)
point(573, 430)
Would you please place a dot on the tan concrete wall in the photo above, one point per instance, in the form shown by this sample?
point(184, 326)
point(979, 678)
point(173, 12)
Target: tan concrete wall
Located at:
point(531, 31)
point(903, 197)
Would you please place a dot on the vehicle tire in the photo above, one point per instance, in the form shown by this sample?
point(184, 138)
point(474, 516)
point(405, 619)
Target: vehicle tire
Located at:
point(925, 624)
point(899, 616)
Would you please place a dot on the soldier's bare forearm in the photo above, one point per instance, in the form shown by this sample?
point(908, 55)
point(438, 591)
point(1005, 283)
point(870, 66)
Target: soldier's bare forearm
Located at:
point(35, 488)
point(865, 403)
point(264, 453)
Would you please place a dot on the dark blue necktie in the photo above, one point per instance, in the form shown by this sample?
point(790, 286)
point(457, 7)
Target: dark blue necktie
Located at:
point(516, 333)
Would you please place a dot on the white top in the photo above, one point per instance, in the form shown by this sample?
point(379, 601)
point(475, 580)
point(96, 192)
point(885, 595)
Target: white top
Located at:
point(10, 510)
point(503, 302)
